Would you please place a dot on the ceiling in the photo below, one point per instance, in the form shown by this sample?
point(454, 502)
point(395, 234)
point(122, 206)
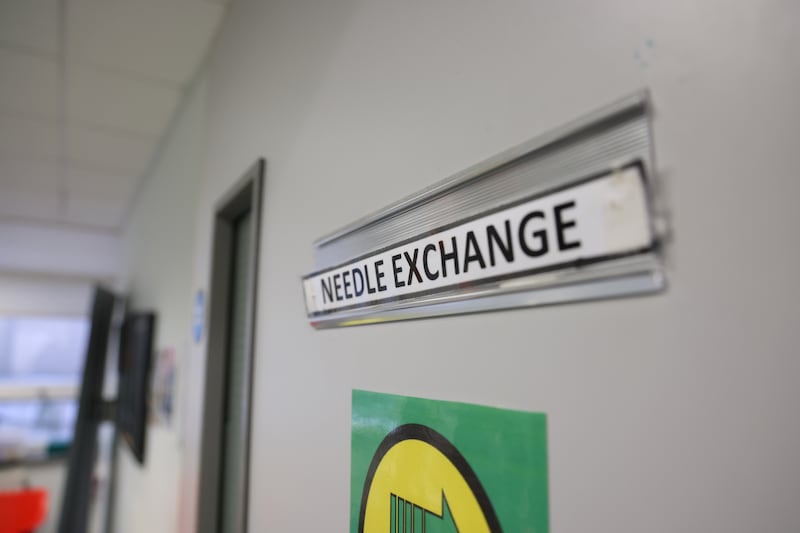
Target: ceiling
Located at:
point(87, 90)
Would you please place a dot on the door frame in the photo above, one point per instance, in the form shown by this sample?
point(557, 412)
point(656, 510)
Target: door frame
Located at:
point(243, 196)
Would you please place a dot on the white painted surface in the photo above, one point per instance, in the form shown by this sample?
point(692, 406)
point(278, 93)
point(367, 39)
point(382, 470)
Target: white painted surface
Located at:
point(128, 103)
point(30, 83)
point(676, 412)
point(112, 154)
point(162, 41)
point(156, 273)
point(31, 23)
point(43, 295)
point(23, 139)
point(50, 250)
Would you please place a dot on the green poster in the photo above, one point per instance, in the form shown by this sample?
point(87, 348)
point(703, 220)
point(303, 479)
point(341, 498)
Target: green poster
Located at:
point(425, 466)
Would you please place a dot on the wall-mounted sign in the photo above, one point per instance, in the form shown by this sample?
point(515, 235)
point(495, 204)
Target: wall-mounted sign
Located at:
point(431, 466)
point(562, 218)
point(603, 217)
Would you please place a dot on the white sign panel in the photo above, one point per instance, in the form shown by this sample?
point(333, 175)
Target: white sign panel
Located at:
point(600, 218)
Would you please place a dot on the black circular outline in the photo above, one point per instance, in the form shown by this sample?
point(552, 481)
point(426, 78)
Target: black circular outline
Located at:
point(438, 441)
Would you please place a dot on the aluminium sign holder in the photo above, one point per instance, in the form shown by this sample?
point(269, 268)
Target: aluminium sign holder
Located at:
point(567, 216)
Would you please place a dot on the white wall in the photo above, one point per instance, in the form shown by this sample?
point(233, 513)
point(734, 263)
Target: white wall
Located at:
point(50, 250)
point(157, 274)
point(50, 270)
point(676, 412)
point(44, 295)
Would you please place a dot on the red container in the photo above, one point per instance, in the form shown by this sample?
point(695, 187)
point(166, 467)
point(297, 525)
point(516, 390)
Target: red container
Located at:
point(22, 511)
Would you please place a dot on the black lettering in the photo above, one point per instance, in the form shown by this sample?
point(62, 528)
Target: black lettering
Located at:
point(397, 270)
point(472, 243)
point(379, 274)
point(448, 257)
point(412, 266)
point(506, 248)
point(370, 288)
point(346, 282)
point(562, 225)
point(327, 293)
point(431, 275)
point(338, 287)
point(358, 282)
point(540, 234)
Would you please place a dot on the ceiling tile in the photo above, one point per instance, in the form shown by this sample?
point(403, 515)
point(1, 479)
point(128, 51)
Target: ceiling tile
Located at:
point(29, 173)
point(32, 138)
point(29, 202)
point(100, 97)
point(162, 40)
point(95, 184)
point(29, 84)
point(98, 148)
point(31, 24)
point(102, 212)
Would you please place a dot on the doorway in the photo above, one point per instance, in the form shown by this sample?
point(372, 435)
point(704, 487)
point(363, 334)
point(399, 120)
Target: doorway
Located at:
point(225, 449)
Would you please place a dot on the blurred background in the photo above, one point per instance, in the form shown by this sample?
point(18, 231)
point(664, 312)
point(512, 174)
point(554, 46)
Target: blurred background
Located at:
point(88, 90)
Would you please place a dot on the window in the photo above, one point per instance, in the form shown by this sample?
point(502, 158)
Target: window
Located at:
point(41, 361)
